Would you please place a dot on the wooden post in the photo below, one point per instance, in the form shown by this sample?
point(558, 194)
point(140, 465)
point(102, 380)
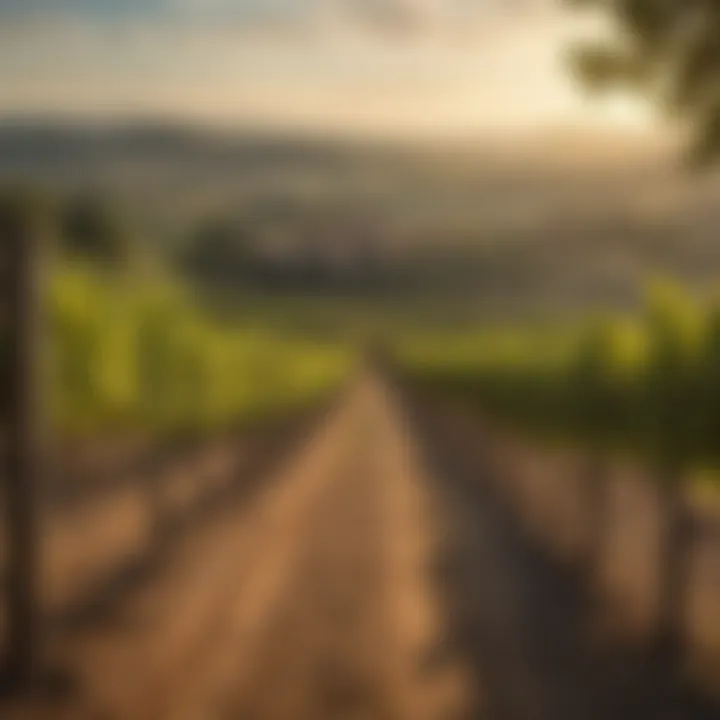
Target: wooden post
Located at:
point(21, 237)
point(598, 517)
point(676, 569)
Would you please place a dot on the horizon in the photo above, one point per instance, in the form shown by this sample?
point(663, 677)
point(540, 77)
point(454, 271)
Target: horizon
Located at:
point(484, 140)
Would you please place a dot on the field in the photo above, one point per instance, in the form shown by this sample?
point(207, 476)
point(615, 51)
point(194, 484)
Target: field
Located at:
point(159, 409)
point(347, 471)
point(643, 384)
point(133, 354)
point(609, 427)
point(376, 571)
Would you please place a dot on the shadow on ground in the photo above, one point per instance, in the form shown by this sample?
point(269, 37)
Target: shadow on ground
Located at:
point(103, 603)
point(521, 621)
point(268, 448)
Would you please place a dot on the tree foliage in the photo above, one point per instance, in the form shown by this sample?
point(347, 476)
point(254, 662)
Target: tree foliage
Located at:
point(218, 251)
point(669, 50)
point(91, 230)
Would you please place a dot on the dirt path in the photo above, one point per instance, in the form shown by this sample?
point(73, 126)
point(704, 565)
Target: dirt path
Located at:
point(353, 636)
point(312, 602)
point(373, 578)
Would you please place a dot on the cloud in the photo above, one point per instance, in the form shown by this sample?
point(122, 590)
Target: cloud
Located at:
point(341, 63)
point(439, 17)
point(389, 16)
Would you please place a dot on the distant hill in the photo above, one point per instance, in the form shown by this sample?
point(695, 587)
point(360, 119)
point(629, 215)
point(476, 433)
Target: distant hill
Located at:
point(562, 215)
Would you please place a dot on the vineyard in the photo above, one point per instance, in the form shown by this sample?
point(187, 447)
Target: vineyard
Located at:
point(139, 355)
point(169, 411)
point(154, 412)
point(644, 385)
point(605, 432)
point(360, 360)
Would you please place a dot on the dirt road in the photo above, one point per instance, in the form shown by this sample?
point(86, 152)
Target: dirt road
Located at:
point(373, 578)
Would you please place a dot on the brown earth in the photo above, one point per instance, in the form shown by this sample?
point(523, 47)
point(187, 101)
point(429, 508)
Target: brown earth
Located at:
point(374, 575)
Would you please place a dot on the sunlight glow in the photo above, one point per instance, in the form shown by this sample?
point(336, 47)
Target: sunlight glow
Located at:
point(504, 73)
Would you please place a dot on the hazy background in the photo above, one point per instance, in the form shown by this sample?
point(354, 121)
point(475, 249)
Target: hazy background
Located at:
point(403, 68)
point(357, 145)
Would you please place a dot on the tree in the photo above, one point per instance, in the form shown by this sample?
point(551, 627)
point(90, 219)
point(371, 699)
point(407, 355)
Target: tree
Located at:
point(668, 51)
point(91, 230)
point(217, 253)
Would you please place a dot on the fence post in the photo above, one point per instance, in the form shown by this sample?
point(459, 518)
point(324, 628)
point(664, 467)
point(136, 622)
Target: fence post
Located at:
point(21, 235)
point(676, 567)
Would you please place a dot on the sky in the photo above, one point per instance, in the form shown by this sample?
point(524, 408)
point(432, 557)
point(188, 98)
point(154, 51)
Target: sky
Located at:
point(385, 67)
